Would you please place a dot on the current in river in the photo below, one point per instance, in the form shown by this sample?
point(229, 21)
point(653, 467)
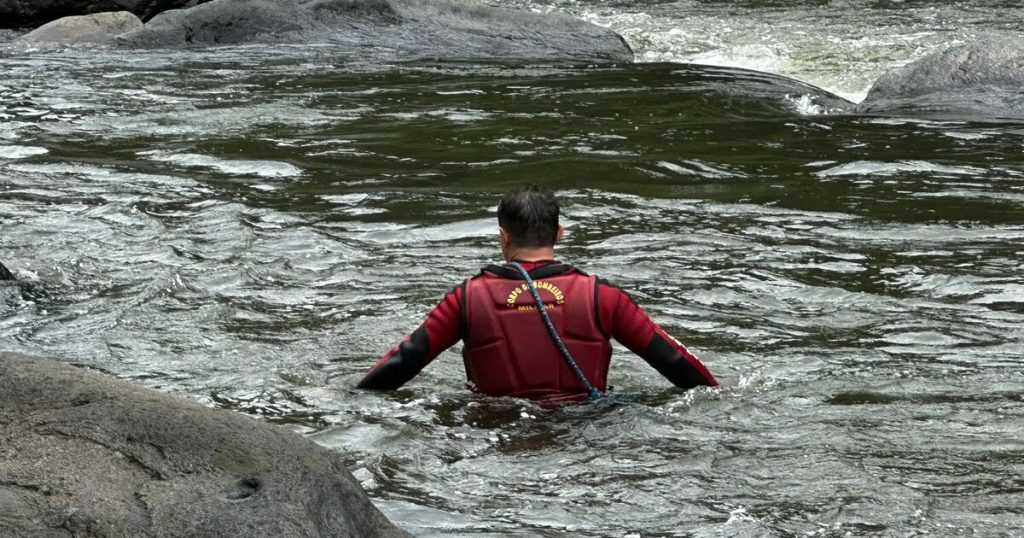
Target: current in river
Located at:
point(252, 227)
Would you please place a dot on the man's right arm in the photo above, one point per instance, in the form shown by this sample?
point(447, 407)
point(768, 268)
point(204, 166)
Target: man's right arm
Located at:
point(441, 330)
point(623, 320)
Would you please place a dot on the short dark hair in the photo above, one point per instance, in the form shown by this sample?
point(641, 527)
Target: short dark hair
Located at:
point(530, 216)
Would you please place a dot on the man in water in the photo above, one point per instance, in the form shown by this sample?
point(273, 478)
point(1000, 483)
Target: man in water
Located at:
point(508, 349)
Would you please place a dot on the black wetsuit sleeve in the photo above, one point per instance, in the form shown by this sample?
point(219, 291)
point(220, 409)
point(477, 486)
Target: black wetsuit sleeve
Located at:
point(396, 368)
point(677, 365)
point(441, 330)
point(634, 328)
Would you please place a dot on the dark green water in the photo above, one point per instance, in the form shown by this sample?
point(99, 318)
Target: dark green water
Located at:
point(252, 228)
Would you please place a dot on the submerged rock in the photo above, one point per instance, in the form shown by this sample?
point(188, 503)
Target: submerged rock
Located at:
point(28, 13)
point(441, 29)
point(82, 454)
point(98, 28)
point(982, 78)
point(10, 293)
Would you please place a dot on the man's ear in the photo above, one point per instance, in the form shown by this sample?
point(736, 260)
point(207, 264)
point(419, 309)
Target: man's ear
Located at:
point(561, 232)
point(503, 236)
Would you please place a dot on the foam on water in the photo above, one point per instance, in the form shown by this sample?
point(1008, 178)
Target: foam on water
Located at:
point(806, 106)
point(234, 167)
point(1012, 197)
point(456, 116)
point(702, 169)
point(21, 152)
point(842, 47)
point(872, 168)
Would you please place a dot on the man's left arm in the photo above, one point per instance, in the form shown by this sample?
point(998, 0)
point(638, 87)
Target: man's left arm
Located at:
point(441, 330)
point(634, 328)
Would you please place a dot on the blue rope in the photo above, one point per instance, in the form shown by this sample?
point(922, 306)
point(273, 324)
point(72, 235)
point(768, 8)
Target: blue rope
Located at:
point(591, 391)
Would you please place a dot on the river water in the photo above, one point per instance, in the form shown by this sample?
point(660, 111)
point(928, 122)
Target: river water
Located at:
point(252, 227)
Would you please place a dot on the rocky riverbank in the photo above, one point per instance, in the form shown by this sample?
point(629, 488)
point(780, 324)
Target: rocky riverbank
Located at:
point(980, 78)
point(401, 29)
point(32, 13)
point(83, 454)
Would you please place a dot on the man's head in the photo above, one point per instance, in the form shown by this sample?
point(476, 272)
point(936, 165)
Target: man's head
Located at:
point(528, 217)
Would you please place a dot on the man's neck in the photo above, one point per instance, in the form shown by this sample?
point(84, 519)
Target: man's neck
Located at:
point(530, 254)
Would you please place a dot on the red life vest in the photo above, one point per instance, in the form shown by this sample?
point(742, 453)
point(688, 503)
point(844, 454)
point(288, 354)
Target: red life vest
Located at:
point(507, 348)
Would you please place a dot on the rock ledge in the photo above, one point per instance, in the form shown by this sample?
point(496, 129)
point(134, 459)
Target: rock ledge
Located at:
point(82, 454)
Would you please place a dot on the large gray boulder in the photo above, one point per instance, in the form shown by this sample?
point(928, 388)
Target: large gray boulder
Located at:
point(98, 28)
point(82, 454)
point(982, 78)
point(30, 13)
point(442, 29)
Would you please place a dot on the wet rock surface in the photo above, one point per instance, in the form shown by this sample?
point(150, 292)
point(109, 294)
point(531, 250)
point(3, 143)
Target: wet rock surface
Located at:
point(29, 13)
point(983, 78)
point(10, 292)
point(97, 28)
point(83, 454)
point(438, 29)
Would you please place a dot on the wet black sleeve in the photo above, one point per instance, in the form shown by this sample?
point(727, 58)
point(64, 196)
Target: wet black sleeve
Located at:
point(398, 367)
point(669, 362)
point(633, 328)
